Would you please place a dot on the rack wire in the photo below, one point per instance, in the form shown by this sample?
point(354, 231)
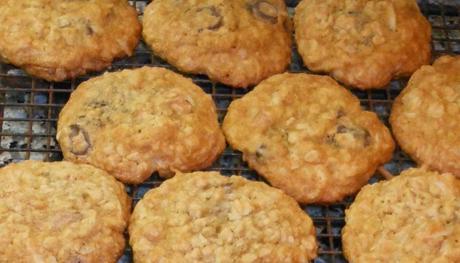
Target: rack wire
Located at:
point(29, 109)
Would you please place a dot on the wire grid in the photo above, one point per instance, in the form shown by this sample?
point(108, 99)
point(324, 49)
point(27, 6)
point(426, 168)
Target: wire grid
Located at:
point(29, 109)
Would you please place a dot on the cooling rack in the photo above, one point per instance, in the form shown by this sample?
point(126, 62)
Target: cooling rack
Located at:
point(29, 109)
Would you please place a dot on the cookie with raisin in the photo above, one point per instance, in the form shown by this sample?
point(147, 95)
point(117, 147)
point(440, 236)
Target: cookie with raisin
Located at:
point(424, 117)
point(362, 43)
point(308, 136)
point(238, 42)
point(56, 40)
point(135, 122)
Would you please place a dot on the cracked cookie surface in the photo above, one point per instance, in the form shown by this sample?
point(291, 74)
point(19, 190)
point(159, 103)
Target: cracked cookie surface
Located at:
point(238, 42)
point(362, 43)
point(413, 217)
point(424, 117)
point(206, 217)
point(57, 40)
point(308, 136)
point(135, 122)
point(61, 212)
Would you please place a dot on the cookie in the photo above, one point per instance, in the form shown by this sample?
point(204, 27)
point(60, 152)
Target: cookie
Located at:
point(424, 117)
point(206, 217)
point(308, 136)
point(61, 212)
point(57, 40)
point(135, 122)
point(238, 42)
point(362, 43)
point(411, 218)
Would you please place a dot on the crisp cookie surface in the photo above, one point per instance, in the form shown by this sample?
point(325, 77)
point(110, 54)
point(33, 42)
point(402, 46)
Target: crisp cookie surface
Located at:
point(56, 40)
point(425, 116)
point(206, 217)
point(414, 217)
point(135, 122)
point(61, 212)
point(308, 136)
point(238, 42)
point(362, 43)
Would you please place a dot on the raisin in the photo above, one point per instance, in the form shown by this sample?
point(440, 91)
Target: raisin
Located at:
point(360, 134)
point(264, 10)
point(213, 11)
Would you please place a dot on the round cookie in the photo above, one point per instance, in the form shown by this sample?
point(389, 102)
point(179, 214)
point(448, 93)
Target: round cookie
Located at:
point(411, 218)
point(206, 217)
point(57, 40)
point(61, 212)
point(238, 42)
point(362, 43)
point(308, 136)
point(424, 117)
point(135, 122)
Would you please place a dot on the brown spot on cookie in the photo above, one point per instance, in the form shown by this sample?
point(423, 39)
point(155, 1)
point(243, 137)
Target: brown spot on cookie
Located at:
point(264, 10)
point(181, 105)
point(97, 104)
point(260, 151)
point(340, 113)
point(217, 20)
point(79, 139)
point(87, 27)
point(287, 24)
point(76, 259)
point(89, 30)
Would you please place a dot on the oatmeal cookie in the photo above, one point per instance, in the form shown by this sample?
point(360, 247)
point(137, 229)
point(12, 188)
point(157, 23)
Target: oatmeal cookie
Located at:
point(362, 43)
point(238, 42)
point(413, 217)
point(425, 118)
point(61, 212)
point(57, 40)
point(206, 217)
point(135, 122)
point(308, 136)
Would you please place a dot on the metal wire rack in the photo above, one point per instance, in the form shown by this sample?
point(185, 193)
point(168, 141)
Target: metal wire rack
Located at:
point(29, 109)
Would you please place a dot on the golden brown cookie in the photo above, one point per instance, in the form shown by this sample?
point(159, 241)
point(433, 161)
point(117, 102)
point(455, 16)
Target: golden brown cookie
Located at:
point(238, 42)
point(206, 217)
point(413, 217)
point(61, 212)
point(135, 122)
point(308, 136)
point(57, 40)
point(362, 43)
point(425, 116)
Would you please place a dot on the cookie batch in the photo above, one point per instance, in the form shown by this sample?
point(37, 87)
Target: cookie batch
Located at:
point(306, 134)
